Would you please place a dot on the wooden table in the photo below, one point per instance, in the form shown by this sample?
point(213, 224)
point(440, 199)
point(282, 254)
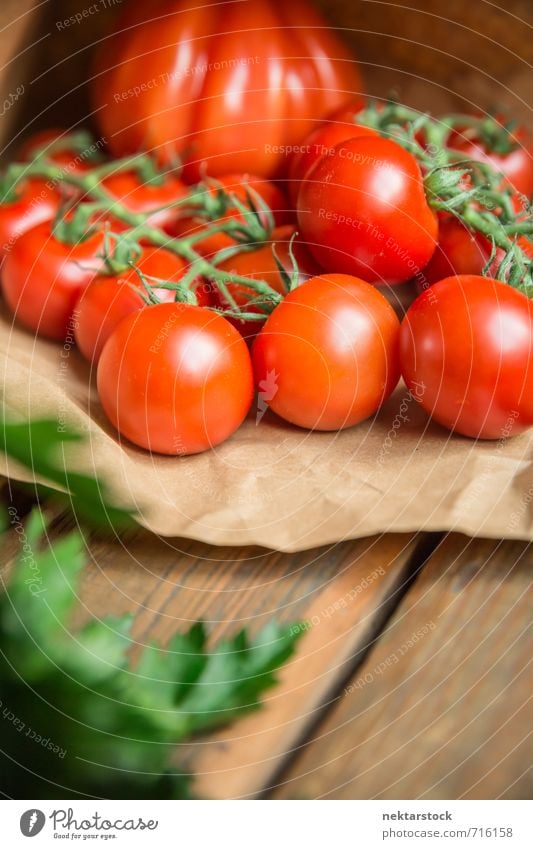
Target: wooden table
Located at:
point(411, 680)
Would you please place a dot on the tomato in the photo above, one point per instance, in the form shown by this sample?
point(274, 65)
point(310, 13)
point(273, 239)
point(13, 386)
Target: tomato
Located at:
point(229, 86)
point(321, 142)
point(466, 349)
point(36, 202)
point(327, 357)
point(138, 196)
point(260, 264)
point(459, 251)
point(516, 165)
point(348, 112)
point(239, 185)
point(109, 298)
point(363, 211)
point(175, 378)
point(464, 251)
point(43, 278)
point(43, 139)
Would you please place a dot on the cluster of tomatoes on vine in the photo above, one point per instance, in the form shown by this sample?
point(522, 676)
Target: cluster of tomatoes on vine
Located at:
point(188, 299)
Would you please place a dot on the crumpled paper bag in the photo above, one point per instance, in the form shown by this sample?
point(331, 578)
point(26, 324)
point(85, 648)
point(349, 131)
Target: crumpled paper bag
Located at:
point(273, 484)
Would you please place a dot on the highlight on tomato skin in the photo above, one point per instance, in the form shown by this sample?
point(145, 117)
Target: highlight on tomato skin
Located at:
point(468, 342)
point(264, 73)
point(43, 278)
point(328, 354)
point(175, 379)
point(363, 210)
point(35, 202)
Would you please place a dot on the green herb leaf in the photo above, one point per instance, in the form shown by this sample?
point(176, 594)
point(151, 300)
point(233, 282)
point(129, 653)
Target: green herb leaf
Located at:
point(109, 727)
point(39, 445)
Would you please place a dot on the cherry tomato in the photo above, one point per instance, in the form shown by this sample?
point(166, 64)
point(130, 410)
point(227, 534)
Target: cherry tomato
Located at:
point(466, 348)
point(68, 156)
point(109, 298)
point(327, 357)
point(175, 378)
point(516, 165)
point(321, 142)
point(464, 251)
point(229, 86)
point(239, 185)
point(36, 202)
point(348, 112)
point(138, 196)
point(363, 211)
point(260, 264)
point(43, 278)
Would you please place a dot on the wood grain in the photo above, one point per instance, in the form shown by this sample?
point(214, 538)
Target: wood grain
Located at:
point(344, 592)
point(440, 707)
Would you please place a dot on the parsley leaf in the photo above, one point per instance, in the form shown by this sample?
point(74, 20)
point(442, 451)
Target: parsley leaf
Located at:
point(39, 445)
point(77, 717)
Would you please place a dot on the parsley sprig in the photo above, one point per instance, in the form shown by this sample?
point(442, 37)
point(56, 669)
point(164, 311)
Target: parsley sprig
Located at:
point(77, 717)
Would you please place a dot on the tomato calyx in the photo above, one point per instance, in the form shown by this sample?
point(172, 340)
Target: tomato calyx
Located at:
point(474, 191)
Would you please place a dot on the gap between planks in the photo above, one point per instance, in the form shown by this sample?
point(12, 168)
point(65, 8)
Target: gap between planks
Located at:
point(240, 762)
point(445, 715)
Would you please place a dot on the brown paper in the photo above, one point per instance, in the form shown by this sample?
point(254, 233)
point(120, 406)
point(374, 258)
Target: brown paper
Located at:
point(277, 485)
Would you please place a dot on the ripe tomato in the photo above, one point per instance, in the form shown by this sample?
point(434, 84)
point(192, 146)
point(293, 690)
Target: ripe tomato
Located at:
point(321, 142)
point(36, 202)
point(175, 378)
point(463, 251)
point(239, 185)
point(138, 196)
point(327, 357)
point(459, 251)
point(109, 298)
point(68, 156)
point(466, 348)
point(363, 211)
point(348, 112)
point(227, 85)
point(260, 264)
point(516, 166)
point(43, 278)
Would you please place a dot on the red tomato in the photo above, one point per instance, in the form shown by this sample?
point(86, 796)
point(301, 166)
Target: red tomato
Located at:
point(459, 251)
point(463, 251)
point(363, 211)
point(36, 202)
point(175, 378)
point(516, 166)
point(43, 278)
point(138, 196)
point(227, 85)
point(348, 112)
point(73, 160)
point(237, 184)
point(466, 348)
point(321, 142)
point(108, 299)
point(260, 264)
point(327, 357)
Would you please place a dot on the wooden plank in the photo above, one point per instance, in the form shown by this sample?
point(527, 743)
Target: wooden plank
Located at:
point(439, 708)
point(344, 612)
point(345, 590)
